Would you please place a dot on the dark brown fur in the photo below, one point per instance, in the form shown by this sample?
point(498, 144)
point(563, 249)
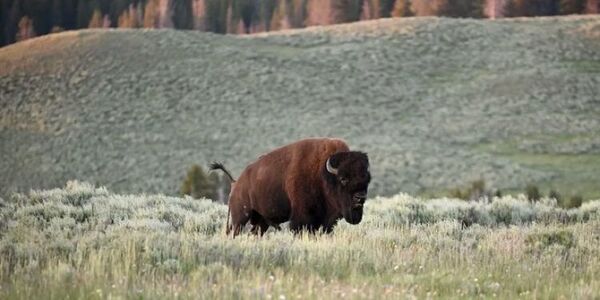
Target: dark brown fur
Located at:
point(292, 183)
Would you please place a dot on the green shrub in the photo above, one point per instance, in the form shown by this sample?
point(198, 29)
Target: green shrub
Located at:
point(541, 241)
point(498, 194)
point(477, 189)
point(473, 192)
point(574, 202)
point(198, 185)
point(533, 193)
point(458, 194)
point(555, 195)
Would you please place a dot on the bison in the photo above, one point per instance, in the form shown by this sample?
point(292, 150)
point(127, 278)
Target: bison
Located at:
point(312, 183)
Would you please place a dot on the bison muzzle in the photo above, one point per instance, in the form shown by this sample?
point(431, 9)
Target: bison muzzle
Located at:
point(312, 183)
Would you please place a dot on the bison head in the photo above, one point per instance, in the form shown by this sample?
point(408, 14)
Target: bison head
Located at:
point(347, 176)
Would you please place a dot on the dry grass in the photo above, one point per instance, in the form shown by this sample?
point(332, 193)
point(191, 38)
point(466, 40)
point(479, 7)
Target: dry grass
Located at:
point(83, 242)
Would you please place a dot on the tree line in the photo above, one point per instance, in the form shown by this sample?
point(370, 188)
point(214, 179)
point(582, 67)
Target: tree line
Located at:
point(22, 19)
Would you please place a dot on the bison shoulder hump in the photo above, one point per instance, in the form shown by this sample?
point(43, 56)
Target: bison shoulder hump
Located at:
point(339, 143)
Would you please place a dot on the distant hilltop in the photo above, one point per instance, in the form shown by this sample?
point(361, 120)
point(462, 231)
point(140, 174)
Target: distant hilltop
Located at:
point(21, 20)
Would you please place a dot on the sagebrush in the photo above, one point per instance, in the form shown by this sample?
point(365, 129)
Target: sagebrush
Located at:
point(86, 242)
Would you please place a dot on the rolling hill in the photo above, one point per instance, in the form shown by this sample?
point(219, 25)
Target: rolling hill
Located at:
point(435, 102)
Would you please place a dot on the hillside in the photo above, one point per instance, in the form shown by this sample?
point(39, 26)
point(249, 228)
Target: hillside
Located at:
point(435, 102)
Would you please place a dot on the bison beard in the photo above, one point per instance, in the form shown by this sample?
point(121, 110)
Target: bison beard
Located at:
point(312, 183)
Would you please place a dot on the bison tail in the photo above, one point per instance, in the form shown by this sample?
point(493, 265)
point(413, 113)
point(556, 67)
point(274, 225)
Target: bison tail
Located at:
point(227, 227)
point(219, 166)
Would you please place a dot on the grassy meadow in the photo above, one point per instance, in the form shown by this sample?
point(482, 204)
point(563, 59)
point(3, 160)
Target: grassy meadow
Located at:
point(84, 242)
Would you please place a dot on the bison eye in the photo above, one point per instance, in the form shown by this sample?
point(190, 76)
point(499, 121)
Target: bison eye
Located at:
point(343, 180)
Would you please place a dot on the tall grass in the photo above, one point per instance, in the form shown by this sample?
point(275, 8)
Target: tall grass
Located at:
point(85, 242)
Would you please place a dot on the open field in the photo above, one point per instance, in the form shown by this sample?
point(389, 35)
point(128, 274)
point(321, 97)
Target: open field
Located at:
point(435, 102)
point(82, 242)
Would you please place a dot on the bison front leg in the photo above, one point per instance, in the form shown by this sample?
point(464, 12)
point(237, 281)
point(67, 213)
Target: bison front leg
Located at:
point(259, 224)
point(260, 229)
point(328, 228)
point(302, 222)
point(303, 214)
point(329, 224)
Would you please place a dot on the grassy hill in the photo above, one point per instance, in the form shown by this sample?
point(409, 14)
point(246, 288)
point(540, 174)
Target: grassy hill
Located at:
point(435, 102)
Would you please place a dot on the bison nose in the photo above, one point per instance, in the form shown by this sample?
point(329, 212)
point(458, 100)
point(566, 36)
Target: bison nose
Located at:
point(359, 199)
point(362, 196)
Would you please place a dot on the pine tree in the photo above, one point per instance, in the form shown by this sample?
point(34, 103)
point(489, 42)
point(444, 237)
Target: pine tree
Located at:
point(511, 9)
point(135, 15)
point(215, 18)
point(25, 29)
point(38, 13)
point(151, 14)
point(402, 8)
point(266, 10)
point(569, 7)
point(83, 16)
point(296, 12)
point(245, 11)
point(495, 8)
point(116, 13)
point(345, 11)
point(279, 20)
point(124, 21)
point(56, 13)
point(462, 9)
point(182, 17)
point(427, 7)
point(3, 16)
point(386, 7)
point(547, 7)
point(65, 14)
point(530, 8)
point(96, 19)
point(12, 22)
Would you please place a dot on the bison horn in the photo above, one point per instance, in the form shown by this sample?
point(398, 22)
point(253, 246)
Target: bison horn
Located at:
point(331, 169)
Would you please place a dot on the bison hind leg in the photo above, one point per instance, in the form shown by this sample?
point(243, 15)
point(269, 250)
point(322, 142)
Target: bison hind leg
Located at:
point(238, 221)
point(236, 227)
